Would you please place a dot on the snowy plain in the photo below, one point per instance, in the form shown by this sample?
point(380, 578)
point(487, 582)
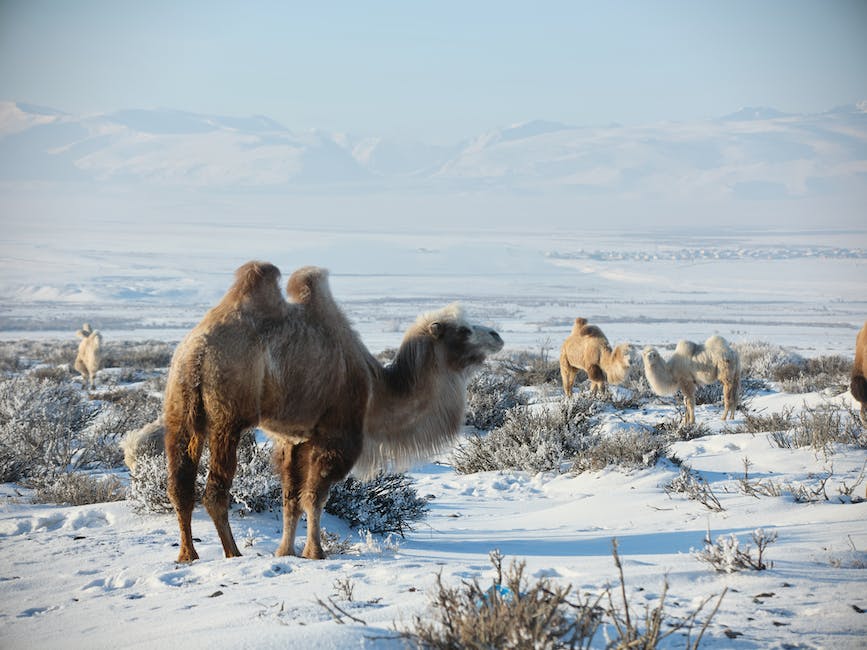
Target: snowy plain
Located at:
point(101, 576)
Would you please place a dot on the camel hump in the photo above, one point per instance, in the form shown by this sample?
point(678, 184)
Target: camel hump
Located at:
point(307, 284)
point(687, 348)
point(593, 332)
point(256, 286)
point(579, 323)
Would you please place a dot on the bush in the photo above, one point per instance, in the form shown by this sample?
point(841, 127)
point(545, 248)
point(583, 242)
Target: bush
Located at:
point(143, 355)
point(385, 504)
point(820, 427)
point(511, 613)
point(490, 395)
point(726, 556)
point(44, 430)
point(625, 449)
point(762, 359)
point(692, 485)
point(532, 439)
point(80, 489)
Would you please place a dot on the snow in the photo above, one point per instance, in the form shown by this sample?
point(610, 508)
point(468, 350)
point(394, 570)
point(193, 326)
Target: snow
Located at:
point(101, 576)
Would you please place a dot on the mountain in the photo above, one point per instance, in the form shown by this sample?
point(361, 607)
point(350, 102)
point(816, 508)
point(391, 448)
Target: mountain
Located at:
point(754, 153)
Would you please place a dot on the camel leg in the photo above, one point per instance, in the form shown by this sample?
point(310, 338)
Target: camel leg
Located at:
point(728, 402)
point(567, 375)
point(689, 403)
point(597, 380)
point(183, 461)
point(221, 472)
point(325, 466)
point(291, 507)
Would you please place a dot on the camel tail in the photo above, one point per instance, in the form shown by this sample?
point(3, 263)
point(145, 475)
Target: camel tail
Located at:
point(858, 386)
point(184, 409)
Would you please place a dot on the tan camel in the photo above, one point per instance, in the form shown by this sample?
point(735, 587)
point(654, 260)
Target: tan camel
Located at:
point(300, 372)
point(89, 357)
point(858, 385)
point(693, 364)
point(587, 349)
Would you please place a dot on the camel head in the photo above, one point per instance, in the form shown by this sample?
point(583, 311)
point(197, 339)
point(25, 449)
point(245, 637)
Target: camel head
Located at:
point(621, 360)
point(84, 332)
point(463, 345)
point(650, 355)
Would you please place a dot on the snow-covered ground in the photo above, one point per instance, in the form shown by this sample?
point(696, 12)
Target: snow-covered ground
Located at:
point(101, 576)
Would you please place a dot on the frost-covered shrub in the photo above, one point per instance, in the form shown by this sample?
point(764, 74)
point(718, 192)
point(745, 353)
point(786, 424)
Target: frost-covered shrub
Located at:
point(761, 359)
point(815, 374)
point(531, 439)
point(535, 368)
point(694, 487)
point(709, 393)
point(146, 355)
point(256, 486)
point(726, 556)
point(511, 613)
point(820, 427)
point(760, 423)
point(386, 504)
point(625, 449)
point(674, 428)
point(489, 395)
point(79, 489)
point(44, 429)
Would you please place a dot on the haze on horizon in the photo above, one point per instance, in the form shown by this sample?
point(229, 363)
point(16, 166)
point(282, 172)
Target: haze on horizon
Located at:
point(422, 91)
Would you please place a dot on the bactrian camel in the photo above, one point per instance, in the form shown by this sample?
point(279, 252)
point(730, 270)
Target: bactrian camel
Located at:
point(587, 349)
point(299, 372)
point(89, 357)
point(858, 385)
point(693, 364)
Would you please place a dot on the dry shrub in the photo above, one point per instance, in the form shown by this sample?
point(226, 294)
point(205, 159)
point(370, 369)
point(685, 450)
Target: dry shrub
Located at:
point(80, 489)
point(531, 439)
point(623, 449)
point(490, 394)
point(511, 613)
point(514, 614)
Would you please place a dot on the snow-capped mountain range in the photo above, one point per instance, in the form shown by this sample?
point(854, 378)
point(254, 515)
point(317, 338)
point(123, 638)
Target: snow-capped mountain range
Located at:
point(754, 153)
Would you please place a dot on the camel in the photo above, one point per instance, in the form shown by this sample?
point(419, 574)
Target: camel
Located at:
point(587, 349)
point(89, 357)
point(298, 370)
point(693, 364)
point(858, 385)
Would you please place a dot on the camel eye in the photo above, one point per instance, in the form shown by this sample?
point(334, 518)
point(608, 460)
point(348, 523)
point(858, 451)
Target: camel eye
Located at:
point(464, 332)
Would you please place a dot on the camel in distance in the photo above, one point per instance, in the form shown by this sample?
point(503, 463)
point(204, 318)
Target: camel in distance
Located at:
point(858, 384)
point(297, 369)
point(693, 364)
point(587, 349)
point(89, 357)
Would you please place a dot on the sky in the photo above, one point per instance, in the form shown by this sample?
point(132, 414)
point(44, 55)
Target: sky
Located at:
point(438, 71)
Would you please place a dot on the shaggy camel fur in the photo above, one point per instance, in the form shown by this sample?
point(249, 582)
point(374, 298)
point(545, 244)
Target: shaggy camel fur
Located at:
point(693, 364)
point(89, 357)
point(587, 349)
point(858, 385)
point(300, 372)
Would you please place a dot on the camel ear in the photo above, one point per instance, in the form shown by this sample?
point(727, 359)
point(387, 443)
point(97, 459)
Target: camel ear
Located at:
point(437, 329)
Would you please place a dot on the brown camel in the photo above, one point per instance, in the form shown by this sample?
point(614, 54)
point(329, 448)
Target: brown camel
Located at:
point(858, 385)
point(587, 349)
point(300, 372)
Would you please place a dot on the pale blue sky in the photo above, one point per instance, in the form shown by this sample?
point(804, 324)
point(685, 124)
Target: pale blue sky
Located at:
point(435, 71)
